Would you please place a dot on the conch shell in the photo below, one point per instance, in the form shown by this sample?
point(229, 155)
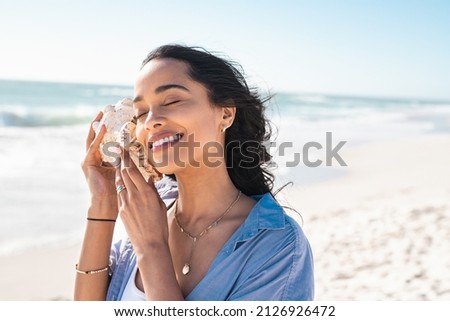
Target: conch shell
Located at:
point(120, 130)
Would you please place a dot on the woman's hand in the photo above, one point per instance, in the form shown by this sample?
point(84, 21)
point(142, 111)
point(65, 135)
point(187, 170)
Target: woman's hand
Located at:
point(141, 209)
point(100, 178)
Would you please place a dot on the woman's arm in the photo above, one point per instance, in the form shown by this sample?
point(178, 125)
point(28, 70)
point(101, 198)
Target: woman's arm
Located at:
point(144, 215)
point(95, 252)
point(157, 273)
point(94, 256)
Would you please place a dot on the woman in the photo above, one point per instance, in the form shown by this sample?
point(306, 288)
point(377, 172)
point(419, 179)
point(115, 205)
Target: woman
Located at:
point(225, 237)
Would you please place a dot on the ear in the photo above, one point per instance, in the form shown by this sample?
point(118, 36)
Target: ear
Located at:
point(228, 114)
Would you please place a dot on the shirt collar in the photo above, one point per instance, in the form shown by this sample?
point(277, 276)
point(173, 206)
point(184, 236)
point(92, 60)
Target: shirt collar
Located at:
point(267, 214)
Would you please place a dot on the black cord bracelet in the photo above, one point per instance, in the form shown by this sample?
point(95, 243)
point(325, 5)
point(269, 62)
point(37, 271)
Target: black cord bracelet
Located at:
point(100, 219)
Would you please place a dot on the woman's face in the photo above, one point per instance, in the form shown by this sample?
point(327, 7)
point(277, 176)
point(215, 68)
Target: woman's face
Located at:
point(175, 121)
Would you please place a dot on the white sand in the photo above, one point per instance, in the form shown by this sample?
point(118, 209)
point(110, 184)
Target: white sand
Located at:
point(44, 274)
point(382, 232)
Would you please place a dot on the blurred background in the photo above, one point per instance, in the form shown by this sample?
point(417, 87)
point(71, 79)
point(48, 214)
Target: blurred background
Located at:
point(375, 74)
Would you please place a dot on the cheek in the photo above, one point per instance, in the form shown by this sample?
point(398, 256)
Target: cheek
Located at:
point(205, 126)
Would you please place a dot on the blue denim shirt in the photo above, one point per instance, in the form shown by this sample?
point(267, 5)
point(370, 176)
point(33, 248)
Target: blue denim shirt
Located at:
point(267, 258)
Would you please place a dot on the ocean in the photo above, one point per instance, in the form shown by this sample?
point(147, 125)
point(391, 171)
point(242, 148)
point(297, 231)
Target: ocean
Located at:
point(43, 126)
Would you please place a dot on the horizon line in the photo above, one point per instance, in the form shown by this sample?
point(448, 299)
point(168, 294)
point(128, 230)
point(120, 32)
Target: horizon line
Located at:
point(299, 92)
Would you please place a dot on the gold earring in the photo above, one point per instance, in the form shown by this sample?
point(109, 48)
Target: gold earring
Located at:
point(223, 129)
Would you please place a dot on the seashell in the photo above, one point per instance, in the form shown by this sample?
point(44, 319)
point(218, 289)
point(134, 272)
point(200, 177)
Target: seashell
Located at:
point(124, 103)
point(129, 128)
point(108, 108)
point(114, 118)
point(122, 131)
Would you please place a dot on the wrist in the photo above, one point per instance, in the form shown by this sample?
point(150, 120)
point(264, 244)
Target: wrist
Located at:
point(151, 249)
point(103, 209)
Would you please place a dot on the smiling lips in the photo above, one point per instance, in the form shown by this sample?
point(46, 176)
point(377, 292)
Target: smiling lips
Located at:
point(166, 140)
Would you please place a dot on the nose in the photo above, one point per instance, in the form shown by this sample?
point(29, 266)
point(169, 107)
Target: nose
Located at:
point(154, 120)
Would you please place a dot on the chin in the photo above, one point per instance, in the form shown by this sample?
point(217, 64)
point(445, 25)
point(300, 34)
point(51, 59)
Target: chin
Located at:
point(172, 163)
point(167, 166)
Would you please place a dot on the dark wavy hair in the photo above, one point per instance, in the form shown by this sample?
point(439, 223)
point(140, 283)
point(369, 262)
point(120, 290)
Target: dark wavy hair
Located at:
point(246, 155)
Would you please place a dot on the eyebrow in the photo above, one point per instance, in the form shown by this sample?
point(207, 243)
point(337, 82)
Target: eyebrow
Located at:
point(161, 89)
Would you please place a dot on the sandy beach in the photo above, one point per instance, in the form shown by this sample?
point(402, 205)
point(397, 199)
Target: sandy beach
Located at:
point(43, 274)
point(380, 232)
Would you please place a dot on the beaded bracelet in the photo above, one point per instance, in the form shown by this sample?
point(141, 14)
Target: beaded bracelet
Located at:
point(91, 271)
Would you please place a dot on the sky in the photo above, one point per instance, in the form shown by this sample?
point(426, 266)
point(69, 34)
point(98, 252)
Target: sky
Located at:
point(396, 48)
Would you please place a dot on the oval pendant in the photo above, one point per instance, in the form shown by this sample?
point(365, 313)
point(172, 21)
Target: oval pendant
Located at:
point(186, 269)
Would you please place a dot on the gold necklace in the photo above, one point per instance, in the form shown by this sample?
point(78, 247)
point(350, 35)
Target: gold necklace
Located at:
point(187, 266)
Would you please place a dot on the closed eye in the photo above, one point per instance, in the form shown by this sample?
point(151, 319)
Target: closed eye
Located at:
point(140, 115)
point(172, 102)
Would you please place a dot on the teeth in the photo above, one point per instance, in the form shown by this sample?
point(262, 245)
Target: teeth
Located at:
point(165, 140)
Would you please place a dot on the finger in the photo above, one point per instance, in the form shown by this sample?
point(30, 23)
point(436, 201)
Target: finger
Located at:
point(118, 179)
point(91, 134)
point(98, 139)
point(128, 182)
point(93, 154)
point(119, 182)
point(133, 172)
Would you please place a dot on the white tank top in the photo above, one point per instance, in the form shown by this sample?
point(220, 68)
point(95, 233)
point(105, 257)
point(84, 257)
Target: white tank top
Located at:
point(131, 292)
